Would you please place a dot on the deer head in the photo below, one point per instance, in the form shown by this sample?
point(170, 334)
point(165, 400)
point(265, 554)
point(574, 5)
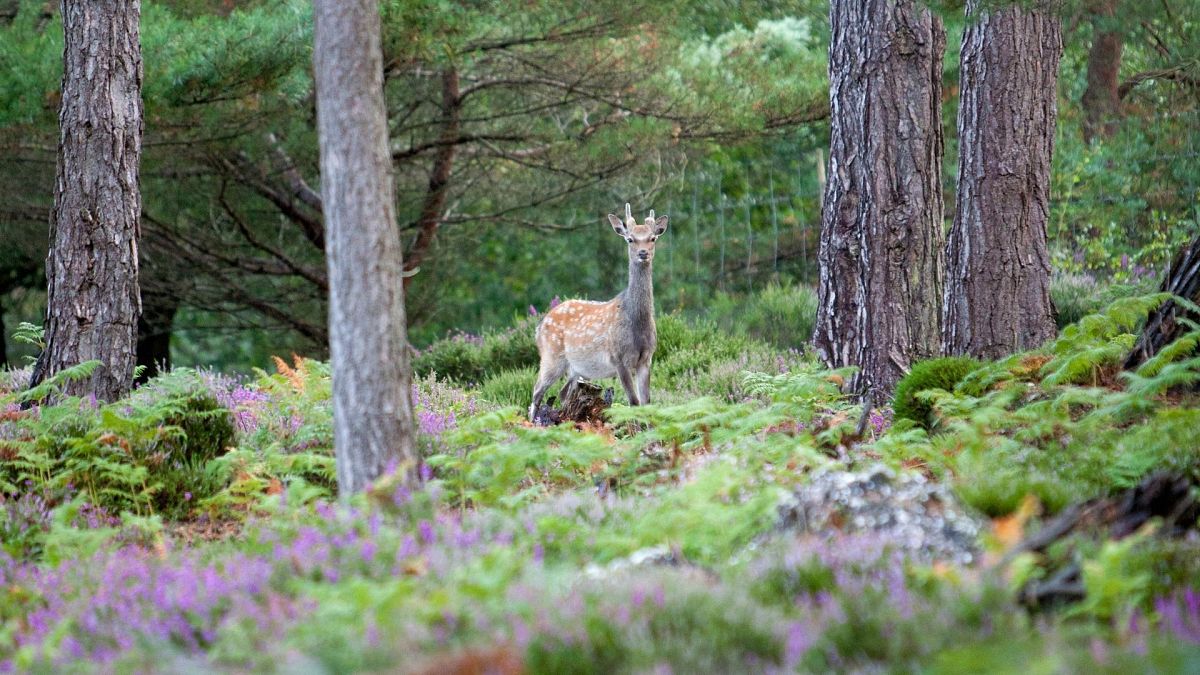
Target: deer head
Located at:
point(640, 238)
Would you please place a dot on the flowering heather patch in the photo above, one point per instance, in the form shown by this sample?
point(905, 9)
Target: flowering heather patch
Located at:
point(242, 400)
point(13, 379)
point(100, 609)
point(438, 406)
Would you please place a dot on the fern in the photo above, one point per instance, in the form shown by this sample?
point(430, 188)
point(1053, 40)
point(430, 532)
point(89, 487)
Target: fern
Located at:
point(53, 385)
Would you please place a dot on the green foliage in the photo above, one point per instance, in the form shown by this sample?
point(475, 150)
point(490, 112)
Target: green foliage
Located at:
point(145, 454)
point(497, 460)
point(1030, 428)
point(467, 359)
point(509, 388)
point(781, 315)
point(942, 373)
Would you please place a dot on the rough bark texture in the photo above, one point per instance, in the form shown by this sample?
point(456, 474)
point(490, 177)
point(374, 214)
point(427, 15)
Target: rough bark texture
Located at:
point(92, 270)
point(1101, 100)
point(1164, 326)
point(372, 407)
point(998, 269)
point(881, 230)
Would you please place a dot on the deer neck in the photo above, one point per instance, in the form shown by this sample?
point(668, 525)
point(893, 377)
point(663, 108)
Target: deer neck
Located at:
point(639, 297)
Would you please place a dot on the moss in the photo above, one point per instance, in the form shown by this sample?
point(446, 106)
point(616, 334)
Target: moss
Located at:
point(941, 373)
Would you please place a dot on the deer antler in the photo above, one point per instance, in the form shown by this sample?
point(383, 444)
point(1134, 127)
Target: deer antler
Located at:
point(651, 214)
point(628, 211)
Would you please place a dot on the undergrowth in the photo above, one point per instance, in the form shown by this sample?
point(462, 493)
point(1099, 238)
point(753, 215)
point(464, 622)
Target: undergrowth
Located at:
point(651, 541)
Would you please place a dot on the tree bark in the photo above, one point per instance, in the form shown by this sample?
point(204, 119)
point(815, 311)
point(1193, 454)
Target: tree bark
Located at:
point(881, 230)
point(372, 407)
point(998, 267)
point(1101, 100)
point(92, 270)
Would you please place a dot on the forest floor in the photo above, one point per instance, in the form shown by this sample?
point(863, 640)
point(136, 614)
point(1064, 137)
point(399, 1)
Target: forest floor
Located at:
point(1036, 514)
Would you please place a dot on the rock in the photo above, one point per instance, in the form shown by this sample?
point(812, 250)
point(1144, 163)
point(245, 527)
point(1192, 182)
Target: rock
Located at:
point(920, 518)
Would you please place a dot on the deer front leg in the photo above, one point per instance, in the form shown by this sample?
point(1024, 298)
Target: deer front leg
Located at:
point(550, 370)
point(627, 382)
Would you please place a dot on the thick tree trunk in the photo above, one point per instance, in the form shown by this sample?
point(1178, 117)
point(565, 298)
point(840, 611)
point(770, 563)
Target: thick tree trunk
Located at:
point(881, 230)
point(92, 270)
point(154, 334)
point(372, 407)
point(998, 268)
point(1164, 326)
point(1101, 100)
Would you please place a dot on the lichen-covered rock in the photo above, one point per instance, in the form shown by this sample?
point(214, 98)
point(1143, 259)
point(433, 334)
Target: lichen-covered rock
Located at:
point(918, 517)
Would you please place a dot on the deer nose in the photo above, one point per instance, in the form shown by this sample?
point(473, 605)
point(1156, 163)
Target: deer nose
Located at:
point(643, 255)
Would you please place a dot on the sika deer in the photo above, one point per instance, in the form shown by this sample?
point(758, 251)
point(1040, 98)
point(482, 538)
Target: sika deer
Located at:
point(589, 339)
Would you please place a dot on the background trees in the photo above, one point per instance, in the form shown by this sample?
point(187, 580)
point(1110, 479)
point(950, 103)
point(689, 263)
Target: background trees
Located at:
point(881, 235)
point(230, 122)
point(93, 302)
point(372, 406)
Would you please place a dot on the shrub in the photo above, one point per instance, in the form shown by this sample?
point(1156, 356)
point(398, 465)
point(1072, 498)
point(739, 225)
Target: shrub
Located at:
point(458, 358)
point(511, 387)
point(780, 315)
point(1078, 295)
point(941, 373)
point(147, 453)
point(465, 358)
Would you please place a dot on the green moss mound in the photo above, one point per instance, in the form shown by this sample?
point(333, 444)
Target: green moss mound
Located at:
point(940, 373)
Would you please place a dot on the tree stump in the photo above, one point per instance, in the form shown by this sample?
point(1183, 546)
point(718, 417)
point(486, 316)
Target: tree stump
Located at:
point(583, 403)
point(1163, 326)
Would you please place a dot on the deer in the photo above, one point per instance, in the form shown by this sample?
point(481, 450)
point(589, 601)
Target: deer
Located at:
point(588, 339)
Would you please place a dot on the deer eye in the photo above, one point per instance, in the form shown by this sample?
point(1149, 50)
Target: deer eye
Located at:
point(629, 239)
point(653, 238)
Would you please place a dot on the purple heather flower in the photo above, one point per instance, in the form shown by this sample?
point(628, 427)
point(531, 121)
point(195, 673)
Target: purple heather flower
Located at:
point(425, 528)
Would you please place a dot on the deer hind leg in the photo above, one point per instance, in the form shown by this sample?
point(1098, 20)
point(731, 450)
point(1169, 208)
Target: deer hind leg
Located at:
point(627, 382)
point(550, 370)
point(572, 380)
point(643, 383)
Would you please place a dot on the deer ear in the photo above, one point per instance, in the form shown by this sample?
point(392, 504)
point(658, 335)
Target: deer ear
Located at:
point(660, 225)
point(617, 225)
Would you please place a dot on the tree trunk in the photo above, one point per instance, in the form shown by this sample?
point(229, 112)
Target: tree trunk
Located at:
point(93, 301)
point(998, 268)
point(1163, 326)
point(1101, 100)
point(154, 334)
point(372, 407)
point(881, 230)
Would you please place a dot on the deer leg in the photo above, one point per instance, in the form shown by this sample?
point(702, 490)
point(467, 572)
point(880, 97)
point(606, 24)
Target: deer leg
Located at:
point(548, 373)
point(627, 382)
point(643, 382)
point(572, 380)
